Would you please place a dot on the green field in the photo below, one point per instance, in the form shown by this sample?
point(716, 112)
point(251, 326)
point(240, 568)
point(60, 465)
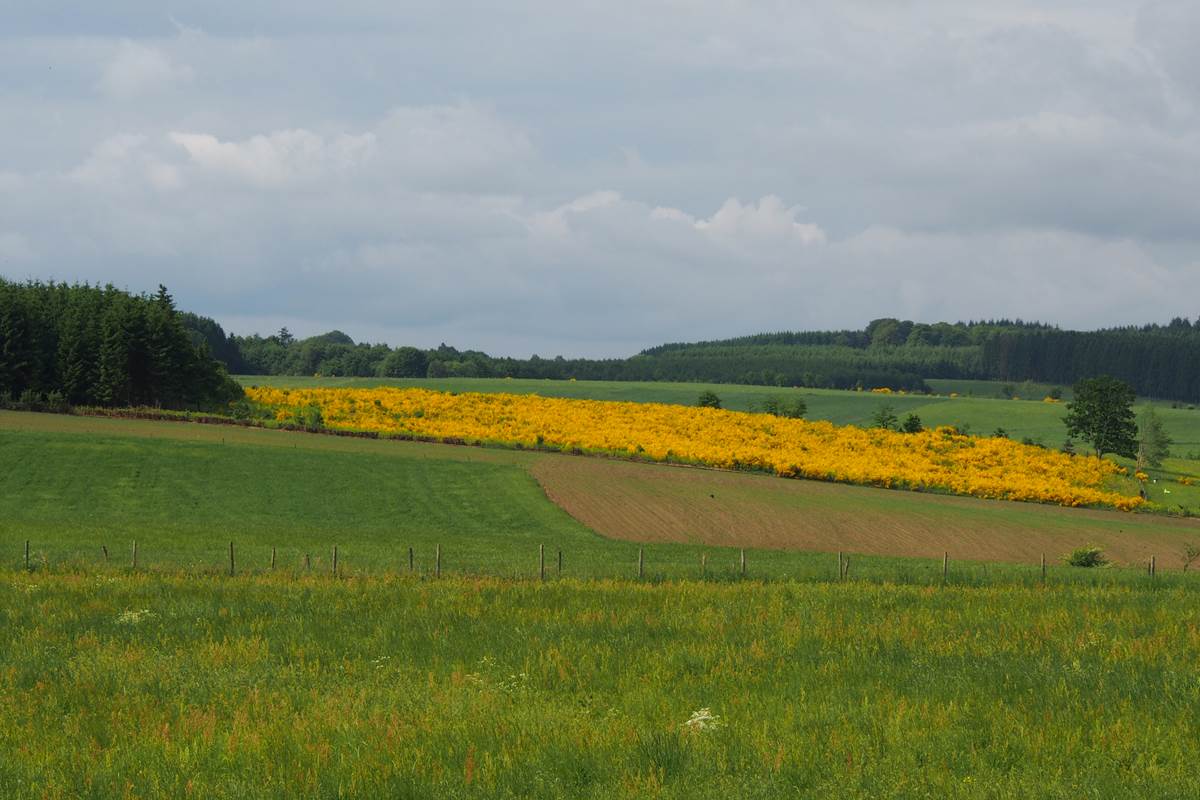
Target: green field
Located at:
point(176, 680)
point(277, 687)
point(980, 415)
point(74, 485)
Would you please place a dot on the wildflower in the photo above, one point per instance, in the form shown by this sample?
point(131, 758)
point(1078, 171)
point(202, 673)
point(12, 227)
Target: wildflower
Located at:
point(703, 720)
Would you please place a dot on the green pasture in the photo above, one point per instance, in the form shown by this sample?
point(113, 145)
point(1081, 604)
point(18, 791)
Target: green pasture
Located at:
point(980, 415)
point(168, 685)
point(73, 486)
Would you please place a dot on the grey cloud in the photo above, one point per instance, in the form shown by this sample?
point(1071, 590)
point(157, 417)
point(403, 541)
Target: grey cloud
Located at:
point(592, 178)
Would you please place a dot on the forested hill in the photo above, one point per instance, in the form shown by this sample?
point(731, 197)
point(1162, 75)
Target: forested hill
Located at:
point(1158, 360)
point(86, 345)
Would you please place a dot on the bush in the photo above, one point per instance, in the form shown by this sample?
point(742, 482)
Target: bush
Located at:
point(779, 407)
point(1089, 556)
point(709, 400)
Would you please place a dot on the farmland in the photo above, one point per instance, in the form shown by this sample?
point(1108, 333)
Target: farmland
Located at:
point(980, 409)
point(176, 679)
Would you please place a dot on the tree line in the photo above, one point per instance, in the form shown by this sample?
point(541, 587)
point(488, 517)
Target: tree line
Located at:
point(1156, 360)
point(79, 344)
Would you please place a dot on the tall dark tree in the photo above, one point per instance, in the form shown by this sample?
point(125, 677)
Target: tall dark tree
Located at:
point(1101, 413)
point(93, 345)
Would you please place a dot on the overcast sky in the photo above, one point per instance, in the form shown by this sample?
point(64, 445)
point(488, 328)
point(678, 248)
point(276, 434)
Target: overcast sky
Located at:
point(590, 178)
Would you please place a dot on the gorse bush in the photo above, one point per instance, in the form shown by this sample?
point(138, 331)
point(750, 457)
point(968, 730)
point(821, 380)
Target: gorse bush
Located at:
point(1089, 556)
point(791, 448)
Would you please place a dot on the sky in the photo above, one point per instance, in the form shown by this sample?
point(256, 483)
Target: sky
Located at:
point(591, 178)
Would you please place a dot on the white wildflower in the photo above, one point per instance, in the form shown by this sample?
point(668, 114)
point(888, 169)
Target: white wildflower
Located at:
point(132, 617)
point(703, 720)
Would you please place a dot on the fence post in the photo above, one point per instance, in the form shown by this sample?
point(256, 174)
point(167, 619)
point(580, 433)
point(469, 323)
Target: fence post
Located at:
point(437, 567)
point(335, 561)
point(308, 562)
point(703, 565)
point(1043, 567)
point(541, 562)
point(840, 573)
point(1151, 566)
point(231, 559)
point(743, 558)
point(846, 569)
point(945, 565)
point(560, 562)
point(641, 563)
point(104, 548)
point(272, 558)
point(135, 553)
point(410, 559)
point(26, 554)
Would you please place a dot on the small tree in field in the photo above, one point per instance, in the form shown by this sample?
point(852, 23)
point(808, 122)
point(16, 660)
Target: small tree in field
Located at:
point(1153, 442)
point(912, 424)
point(1102, 414)
point(885, 417)
point(709, 400)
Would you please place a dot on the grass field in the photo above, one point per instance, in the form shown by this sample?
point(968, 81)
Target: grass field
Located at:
point(176, 680)
point(72, 485)
point(276, 687)
point(979, 414)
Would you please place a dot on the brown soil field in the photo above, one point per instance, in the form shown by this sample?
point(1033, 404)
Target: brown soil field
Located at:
point(659, 503)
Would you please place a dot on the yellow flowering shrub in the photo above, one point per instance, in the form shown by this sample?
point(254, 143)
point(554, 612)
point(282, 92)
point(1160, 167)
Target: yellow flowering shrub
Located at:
point(939, 459)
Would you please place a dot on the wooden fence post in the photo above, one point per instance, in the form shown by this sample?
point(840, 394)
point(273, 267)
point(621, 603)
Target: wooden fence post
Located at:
point(410, 559)
point(945, 565)
point(437, 568)
point(231, 559)
point(541, 562)
point(308, 562)
point(1043, 567)
point(559, 562)
point(840, 573)
point(104, 548)
point(703, 565)
point(272, 558)
point(743, 557)
point(1151, 566)
point(26, 554)
point(135, 553)
point(641, 563)
point(335, 561)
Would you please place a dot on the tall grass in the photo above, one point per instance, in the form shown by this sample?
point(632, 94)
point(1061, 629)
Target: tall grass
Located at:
point(281, 686)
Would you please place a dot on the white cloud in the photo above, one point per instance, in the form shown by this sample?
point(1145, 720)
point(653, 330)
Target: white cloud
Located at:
point(277, 158)
point(137, 69)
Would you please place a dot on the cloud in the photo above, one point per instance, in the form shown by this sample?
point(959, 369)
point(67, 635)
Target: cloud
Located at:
point(137, 69)
point(586, 185)
point(277, 158)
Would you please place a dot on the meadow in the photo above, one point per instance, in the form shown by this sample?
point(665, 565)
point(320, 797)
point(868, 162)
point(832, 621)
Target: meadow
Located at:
point(175, 679)
point(980, 409)
point(158, 685)
point(74, 485)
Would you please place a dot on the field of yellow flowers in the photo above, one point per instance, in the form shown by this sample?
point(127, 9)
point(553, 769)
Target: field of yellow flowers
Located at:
point(938, 459)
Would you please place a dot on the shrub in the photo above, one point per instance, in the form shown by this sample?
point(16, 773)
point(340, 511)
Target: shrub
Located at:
point(709, 400)
point(1089, 556)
